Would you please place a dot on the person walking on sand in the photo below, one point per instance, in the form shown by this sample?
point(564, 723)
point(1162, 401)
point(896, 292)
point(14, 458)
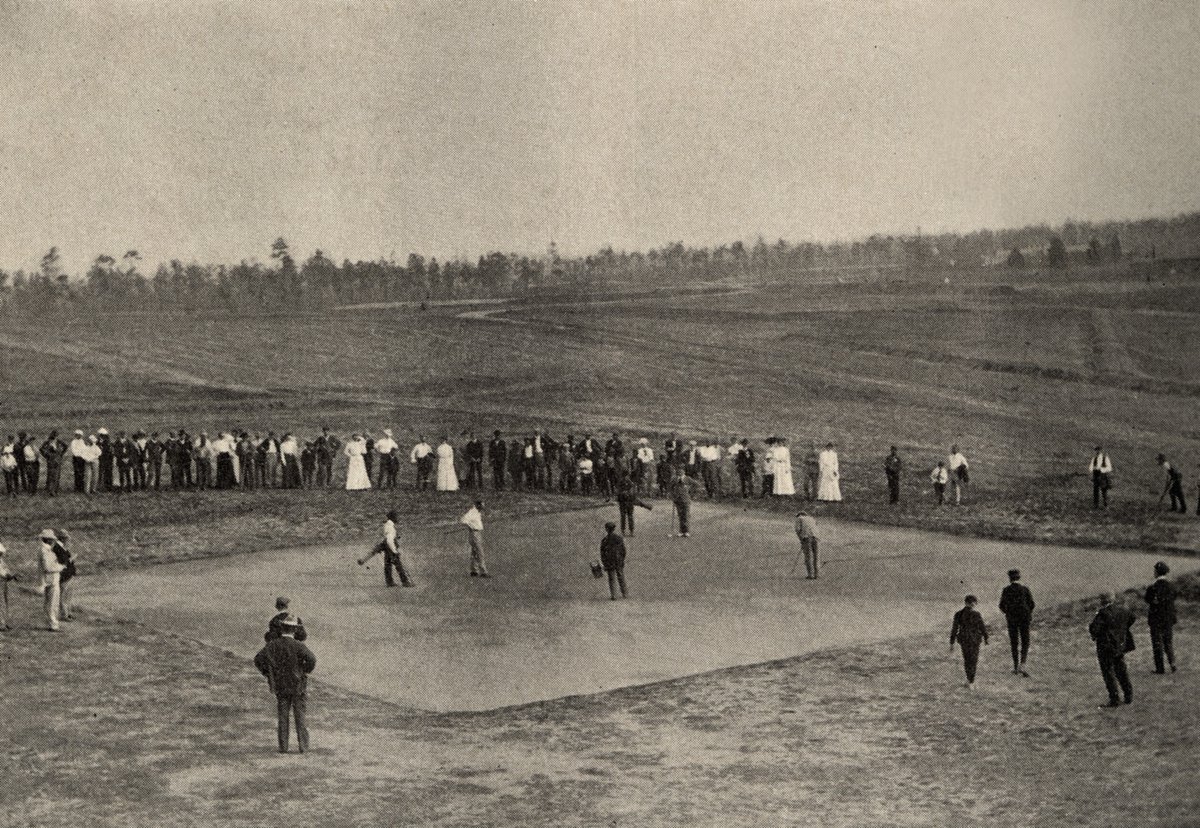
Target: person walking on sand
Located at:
point(1110, 629)
point(286, 664)
point(969, 631)
point(391, 553)
point(612, 557)
point(473, 520)
point(1161, 617)
point(1016, 602)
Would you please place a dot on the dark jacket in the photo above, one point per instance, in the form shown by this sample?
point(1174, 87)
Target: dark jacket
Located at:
point(612, 551)
point(1160, 595)
point(473, 450)
point(275, 628)
point(1016, 602)
point(1110, 630)
point(498, 452)
point(968, 627)
point(286, 663)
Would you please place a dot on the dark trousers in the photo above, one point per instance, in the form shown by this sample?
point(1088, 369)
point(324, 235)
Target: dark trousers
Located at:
point(1099, 489)
point(12, 483)
point(768, 486)
point(324, 473)
point(970, 652)
point(1112, 668)
point(475, 473)
point(1018, 639)
point(155, 473)
point(79, 468)
point(106, 473)
point(683, 507)
point(498, 476)
point(1177, 497)
point(291, 472)
point(585, 484)
point(139, 475)
point(940, 490)
point(616, 577)
point(53, 472)
point(1161, 639)
point(893, 479)
point(812, 558)
point(389, 467)
point(392, 559)
point(424, 469)
point(31, 476)
point(295, 705)
point(746, 476)
point(125, 478)
point(626, 508)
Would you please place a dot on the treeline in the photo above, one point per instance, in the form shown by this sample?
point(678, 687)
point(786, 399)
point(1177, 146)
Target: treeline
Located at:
point(283, 284)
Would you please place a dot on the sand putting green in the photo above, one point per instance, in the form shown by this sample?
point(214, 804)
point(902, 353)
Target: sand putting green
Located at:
point(543, 627)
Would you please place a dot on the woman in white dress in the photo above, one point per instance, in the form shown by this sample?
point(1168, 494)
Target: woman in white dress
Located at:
point(828, 487)
point(781, 460)
point(447, 477)
point(356, 471)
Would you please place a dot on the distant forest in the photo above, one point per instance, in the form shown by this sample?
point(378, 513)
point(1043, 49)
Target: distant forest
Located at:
point(318, 282)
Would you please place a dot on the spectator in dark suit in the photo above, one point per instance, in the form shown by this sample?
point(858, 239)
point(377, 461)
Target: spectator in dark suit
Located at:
point(154, 460)
point(286, 663)
point(473, 452)
point(892, 466)
point(969, 631)
point(1016, 602)
point(53, 450)
point(498, 456)
point(1110, 629)
point(1160, 595)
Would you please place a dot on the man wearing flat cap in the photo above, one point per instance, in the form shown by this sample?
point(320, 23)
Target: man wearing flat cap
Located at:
point(1160, 595)
point(1110, 629)
point(286, 664)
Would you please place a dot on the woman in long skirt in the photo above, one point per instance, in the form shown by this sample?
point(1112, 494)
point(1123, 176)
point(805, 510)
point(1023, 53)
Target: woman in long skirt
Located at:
point(782, 463)
point(828, 487)
point(447, 477)
point(356, 472)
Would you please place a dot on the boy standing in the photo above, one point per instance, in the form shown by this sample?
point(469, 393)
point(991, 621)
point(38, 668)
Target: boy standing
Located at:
point(940, 478)
point(969, 630)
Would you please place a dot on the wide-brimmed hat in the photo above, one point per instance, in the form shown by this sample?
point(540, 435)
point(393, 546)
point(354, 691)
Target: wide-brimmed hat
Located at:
point(289, 620)
point(387, 432)
point(79, 432)
point(103, 431)
point(48, 534)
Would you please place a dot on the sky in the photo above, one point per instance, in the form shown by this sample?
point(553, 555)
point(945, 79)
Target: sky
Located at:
point(203, 131)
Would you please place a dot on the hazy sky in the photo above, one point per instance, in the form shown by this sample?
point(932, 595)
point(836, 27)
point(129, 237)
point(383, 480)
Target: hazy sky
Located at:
point(203, 131)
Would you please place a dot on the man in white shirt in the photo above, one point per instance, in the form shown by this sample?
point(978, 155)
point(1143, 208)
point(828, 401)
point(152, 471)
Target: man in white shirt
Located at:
point(643, 469)
point(422, 457)
point(289, 458)
point(957, 464)
point(389, 463)
point(473, 520)
point(391, 553)
point(1101, 469)
point(78, 450)
point(51, 571)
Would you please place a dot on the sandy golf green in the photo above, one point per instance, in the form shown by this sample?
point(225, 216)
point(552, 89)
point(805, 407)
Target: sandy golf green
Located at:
point(543, 627)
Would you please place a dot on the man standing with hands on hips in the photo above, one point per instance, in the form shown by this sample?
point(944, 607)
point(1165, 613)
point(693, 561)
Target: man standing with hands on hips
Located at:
point(1101, 471)
point(473, 520)
point(286, 663)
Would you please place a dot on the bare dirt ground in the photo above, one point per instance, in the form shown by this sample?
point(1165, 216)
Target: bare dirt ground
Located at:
point(544, 628)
